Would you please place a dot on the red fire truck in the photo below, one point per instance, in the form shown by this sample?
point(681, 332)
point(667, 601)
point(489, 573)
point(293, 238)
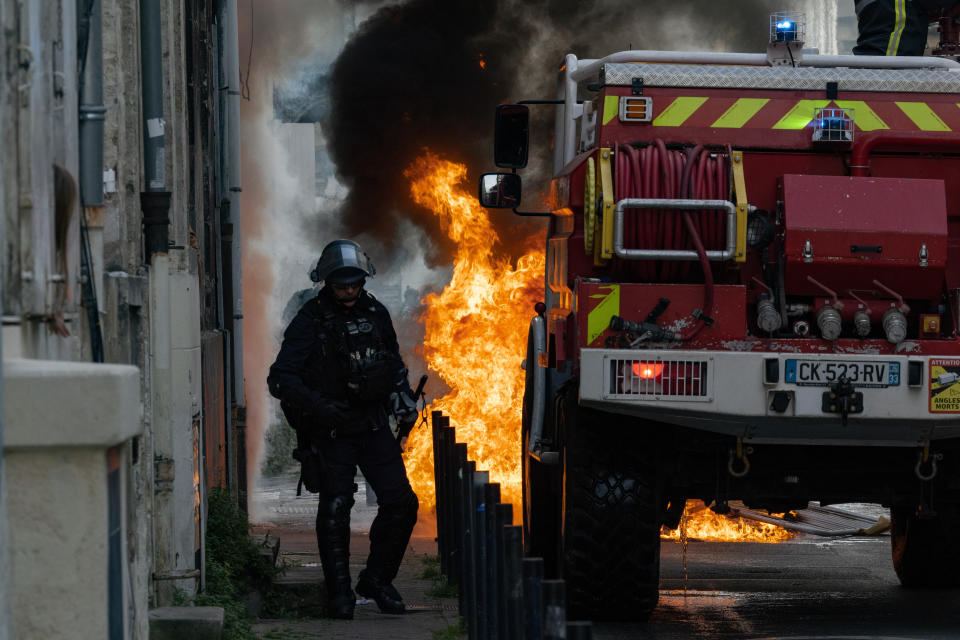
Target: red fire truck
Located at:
point(752, 293)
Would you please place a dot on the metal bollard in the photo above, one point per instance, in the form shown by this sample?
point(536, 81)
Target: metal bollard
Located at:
point(580, 630)
point(491, 500)
point(458, 457)
point(504, 518)
point(436, 421)
point(480, 481)
point(513, 581)
point(447, 442)
point(468, 600)
point(554, 610)
point(532, 598)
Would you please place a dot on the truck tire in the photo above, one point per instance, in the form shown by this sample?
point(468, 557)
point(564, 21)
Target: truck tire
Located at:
point(610, 541)
point(926, 551)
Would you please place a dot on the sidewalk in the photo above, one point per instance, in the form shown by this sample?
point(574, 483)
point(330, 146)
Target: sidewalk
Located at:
point(276, 510)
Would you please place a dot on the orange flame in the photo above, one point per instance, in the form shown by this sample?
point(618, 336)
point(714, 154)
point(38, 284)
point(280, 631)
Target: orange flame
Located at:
point(704, 524)
point(476, 333)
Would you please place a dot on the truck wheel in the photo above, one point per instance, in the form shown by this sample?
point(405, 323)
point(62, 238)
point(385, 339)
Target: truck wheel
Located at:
point(926, 552)
point(610, 543)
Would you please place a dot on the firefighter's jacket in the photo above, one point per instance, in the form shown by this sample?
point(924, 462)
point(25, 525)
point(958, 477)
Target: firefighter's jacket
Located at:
point(895, 27)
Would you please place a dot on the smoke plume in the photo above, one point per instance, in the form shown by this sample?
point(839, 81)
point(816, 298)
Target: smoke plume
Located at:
point(429, 73)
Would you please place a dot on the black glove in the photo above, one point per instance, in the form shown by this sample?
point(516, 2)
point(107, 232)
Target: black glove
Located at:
point(404, 409)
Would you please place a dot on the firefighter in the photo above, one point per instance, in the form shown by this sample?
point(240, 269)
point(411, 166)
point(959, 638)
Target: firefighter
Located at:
point(339, 372)
point(895, 27)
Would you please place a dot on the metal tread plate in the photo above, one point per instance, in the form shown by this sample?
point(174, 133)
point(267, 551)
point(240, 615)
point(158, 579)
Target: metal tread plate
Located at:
point(783, 78)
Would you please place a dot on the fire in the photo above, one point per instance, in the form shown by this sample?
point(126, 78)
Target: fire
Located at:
point(476, 333)
point(704, 524)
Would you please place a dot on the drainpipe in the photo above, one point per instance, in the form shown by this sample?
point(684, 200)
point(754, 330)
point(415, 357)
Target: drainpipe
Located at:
point(92, 111)
point(4, 525)
point(155, 200)
point(219, 119)
point(91, 115)
point(231, 65)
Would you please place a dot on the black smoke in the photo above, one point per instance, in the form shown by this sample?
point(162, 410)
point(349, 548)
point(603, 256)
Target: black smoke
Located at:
point(429, 73)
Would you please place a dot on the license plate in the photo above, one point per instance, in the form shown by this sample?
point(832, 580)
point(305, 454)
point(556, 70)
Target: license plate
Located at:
point(821, 372)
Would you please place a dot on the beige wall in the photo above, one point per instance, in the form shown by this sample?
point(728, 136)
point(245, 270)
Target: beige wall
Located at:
point(60, 420)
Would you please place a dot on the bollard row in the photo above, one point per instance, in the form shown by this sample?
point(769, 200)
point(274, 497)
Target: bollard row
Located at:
point(502, 595)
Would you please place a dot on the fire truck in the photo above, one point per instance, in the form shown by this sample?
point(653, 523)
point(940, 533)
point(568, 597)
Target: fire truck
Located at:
point(752, 293)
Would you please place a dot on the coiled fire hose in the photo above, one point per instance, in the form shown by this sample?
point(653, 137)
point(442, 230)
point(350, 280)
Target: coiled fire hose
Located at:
point(656, 172)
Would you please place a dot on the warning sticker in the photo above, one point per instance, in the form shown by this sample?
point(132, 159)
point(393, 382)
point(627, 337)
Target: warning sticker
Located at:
point(945, 385)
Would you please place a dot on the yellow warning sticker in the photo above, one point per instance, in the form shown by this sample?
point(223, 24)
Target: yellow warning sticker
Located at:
point(945, 385)
point(599, 319)
point(678, 111)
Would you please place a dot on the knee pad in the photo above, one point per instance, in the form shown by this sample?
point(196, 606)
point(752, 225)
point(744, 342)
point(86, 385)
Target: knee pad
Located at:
point(334, 511)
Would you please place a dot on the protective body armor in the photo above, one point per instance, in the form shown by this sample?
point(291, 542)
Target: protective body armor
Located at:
point(353, 337)
point(338, 354)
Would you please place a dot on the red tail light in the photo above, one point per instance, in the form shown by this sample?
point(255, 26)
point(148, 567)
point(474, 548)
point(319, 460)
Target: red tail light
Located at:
point(647, 370)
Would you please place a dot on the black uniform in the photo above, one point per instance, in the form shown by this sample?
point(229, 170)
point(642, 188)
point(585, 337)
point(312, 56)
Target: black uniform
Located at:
point(336, 369)
point(894, 27)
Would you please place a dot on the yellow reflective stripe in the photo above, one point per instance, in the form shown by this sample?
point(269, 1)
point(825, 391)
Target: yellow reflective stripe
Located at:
point(894, 43)
point(598, 320)
point(863, 116)
point(606, 184)
point(678, 111)
point(740, 187)
point(611, 108)
point(923, 116)
point(801, 114)
point(740, 113)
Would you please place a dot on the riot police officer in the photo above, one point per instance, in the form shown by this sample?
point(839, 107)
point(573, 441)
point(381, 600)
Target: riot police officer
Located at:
point(895, 27)
point(338, 373)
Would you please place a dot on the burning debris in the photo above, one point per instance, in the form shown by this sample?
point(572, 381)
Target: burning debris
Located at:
point(700, 523)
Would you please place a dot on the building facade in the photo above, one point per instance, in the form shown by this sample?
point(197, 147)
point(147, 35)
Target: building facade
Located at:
point(122, 372)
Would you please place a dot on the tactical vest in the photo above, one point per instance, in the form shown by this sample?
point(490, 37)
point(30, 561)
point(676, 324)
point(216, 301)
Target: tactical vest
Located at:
point(355, 341)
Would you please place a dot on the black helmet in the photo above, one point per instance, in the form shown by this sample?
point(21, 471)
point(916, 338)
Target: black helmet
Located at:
point(342, 262)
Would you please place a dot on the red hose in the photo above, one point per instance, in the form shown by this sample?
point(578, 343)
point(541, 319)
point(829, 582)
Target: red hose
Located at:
point(707, 311)
point(657, 172)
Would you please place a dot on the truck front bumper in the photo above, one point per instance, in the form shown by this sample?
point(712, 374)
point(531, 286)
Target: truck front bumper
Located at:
point(767, 397)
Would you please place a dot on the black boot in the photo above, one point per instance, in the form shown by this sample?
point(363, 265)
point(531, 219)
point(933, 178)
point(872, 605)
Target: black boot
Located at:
point(385, 595)
point(389, 536)
point(333, 541)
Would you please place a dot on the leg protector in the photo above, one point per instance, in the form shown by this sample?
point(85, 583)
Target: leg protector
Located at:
point(333, 541)
point(389, 536)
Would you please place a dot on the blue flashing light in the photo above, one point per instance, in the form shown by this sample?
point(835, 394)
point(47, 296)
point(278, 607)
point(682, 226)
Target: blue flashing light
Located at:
point(786, 31)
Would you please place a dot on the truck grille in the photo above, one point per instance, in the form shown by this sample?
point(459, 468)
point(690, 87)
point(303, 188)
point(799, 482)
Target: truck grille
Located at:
point(656, 378)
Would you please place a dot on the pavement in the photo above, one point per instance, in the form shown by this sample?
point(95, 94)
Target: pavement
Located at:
point(807, 587)
point(276, 509)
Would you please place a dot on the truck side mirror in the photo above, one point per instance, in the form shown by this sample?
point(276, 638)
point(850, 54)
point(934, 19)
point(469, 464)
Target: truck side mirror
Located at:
point(500, 190)
point(511, 136)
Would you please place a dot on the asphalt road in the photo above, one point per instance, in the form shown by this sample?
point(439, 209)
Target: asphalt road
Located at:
point(808, 587)
point(805, 588)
